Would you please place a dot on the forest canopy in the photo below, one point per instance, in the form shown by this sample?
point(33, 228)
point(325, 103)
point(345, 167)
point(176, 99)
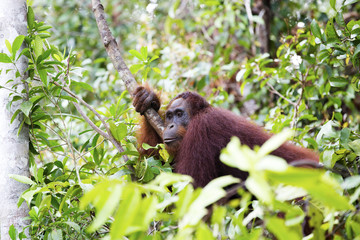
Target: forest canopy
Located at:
point(289, 66)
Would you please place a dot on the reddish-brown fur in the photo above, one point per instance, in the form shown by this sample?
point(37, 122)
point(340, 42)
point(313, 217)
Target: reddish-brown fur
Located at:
point(210, 130)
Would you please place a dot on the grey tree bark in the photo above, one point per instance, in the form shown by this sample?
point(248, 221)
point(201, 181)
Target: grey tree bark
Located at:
point(14, 148)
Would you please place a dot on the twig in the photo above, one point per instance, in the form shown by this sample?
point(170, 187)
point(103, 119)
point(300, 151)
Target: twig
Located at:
point(207, 37)
point(296, 107)
point(251, 23)
point(108, 135)
point(273, 90)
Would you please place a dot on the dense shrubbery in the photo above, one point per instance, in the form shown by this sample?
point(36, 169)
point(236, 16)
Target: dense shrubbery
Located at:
point(81, 185)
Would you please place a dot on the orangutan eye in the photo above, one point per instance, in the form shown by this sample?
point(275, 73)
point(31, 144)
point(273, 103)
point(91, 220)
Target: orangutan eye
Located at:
point(169, 115)
point(179, 113)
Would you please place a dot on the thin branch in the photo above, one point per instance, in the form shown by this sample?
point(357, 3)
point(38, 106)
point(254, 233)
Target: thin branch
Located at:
point(114, 53)
point(296, 108)
point(91, 123)
point(273, 90)
point(251, 23)
point(207, 37)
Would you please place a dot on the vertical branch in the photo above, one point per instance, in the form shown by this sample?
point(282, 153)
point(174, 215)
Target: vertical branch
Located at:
point(114, 53)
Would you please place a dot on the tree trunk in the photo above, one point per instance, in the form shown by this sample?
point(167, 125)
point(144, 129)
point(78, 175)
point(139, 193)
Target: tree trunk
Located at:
point(14, 148)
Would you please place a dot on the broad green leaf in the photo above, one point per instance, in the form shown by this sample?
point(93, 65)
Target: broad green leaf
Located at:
point(280, 230)
point(338, 82)
point(144, 52)
point(212, 192)
point(348, 2)
point(166, 179)
point(275, 142)
point(340, 19)
point(315, 29)
point(4, 58)
point(136, 67)
point(12, 232)
point(136, 54)
point(330, 31)
point(126, 213)
point(320, 186)
point(44, 56)
point(45, 203)
point(30, 18)
point(56, 234)
point(332, 4)
point(105, 204)
point(8, 45)
point(44, 28)
point(22, 179)
point(17, 44)
point(356, 53)
point(38, 46)
point(28, 195)
point(118, 131)
point(351, 182)
point(75, 226)
point(258, 186)
point(82, 85)
point(43, 77)
point(355, 146)
point(234, 156)
point(25, 107)
point(153, 58)
point(204, 233)
point(145, 214)
point(157, 70)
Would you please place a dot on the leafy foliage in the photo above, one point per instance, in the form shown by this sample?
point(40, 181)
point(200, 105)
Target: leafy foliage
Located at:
point(83, 187)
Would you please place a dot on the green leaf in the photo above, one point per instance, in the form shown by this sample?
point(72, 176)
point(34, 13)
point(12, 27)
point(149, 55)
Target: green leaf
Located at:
point(44, 56)
point(356, 53)
point(144, 52)
point(351, 182)
point(4, 58)
point(25, 107)
point(212, 192)
point(126, 213)
point(56, 234)
point(318, 184)
point(258, 186)
point(340, 19)
point(275, 142)
point(81, 85)
point(22, 179)
point(118, 131)
point(332, 4)
point(8, 46)
point(38, 46)
point(338, 82)
point(30, 18)
point(136, 67)
point(44, 28)
point(12, 232)
point(43, 77)
point(355, 146)
point(204, 233)
point(75, 226)
point(330, 31)
point(157, 70)
point(17, 44)
point(153, 58)
point(315, 29)
point(348, 2)
point(280, 230)
point(136, 54)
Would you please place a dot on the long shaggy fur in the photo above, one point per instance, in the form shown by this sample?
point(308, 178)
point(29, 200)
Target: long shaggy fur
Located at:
point(210, 130)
